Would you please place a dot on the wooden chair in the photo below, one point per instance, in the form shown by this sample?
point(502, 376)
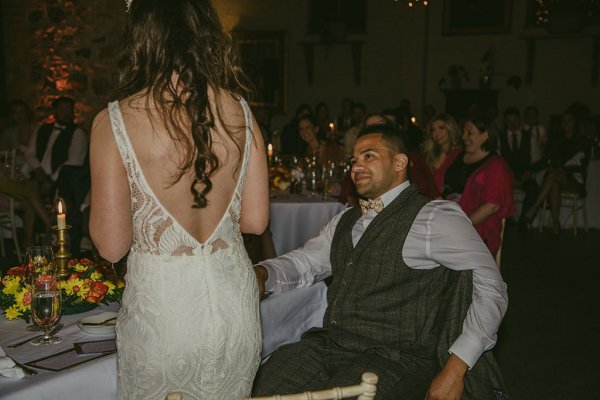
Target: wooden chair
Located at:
point(576, 203)
point(365, 391)
point(7, 216)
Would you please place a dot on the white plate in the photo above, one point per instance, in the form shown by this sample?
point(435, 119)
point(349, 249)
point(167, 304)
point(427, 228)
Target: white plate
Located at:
point(98, 329)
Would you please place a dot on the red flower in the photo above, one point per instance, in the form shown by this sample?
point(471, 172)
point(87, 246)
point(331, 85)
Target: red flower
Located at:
point(92, 299)
point(27, 298)
point(97, 292)
point(20, 270)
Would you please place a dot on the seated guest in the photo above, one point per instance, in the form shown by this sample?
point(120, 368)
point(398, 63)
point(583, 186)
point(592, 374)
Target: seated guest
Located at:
point(522, 151)
point(57, 144)
point(358, 115)
point(481, 182)
point(291, 142)
point(392, 260)
point(317, 144)
point(323, 119)
point(441, 145)
point(568, 155)
point(16, 136)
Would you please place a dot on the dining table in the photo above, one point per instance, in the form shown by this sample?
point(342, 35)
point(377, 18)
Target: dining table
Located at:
point(284, 317)
point(295, 218)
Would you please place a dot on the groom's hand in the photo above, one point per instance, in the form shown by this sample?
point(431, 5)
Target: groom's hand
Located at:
point(262, 274)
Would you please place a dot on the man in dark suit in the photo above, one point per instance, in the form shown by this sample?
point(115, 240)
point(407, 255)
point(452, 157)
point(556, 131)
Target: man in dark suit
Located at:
point(519, 148)
point(57, 154)
point(397, 304)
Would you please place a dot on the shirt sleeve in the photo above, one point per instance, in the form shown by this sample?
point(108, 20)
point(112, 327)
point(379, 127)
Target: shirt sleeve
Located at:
point(304, 266)
point(443, 235)
point(77, 151)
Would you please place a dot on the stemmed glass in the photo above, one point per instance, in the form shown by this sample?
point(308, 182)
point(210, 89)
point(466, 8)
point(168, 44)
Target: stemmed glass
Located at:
point(33, 258)
point(46, 300)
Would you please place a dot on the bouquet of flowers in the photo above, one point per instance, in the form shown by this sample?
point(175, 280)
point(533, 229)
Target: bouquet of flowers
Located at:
point(279, 177)
point(87, 284)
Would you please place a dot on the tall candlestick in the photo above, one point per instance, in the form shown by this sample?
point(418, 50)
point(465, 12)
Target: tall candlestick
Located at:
point(270, 152)
point(61, 218)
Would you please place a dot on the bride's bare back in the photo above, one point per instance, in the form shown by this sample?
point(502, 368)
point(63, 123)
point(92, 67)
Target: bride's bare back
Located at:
point(159, 159)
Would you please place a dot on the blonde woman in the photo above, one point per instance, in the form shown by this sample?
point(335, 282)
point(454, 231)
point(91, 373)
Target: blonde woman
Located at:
point(441, 146)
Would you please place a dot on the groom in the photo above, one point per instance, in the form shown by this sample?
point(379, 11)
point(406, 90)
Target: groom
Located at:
point(416, 297)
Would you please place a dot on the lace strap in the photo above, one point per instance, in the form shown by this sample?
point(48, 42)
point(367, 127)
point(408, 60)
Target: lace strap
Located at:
point(121, 138)
point(247, 146)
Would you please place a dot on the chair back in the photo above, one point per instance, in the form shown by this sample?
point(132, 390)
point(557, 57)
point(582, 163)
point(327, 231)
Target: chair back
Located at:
point(365, 391)
point(7, 217)
point(499, 253)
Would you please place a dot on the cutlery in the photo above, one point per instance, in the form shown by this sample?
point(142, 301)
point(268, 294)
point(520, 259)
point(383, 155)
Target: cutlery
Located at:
point(105, 322)
point(26, 369)
point(52, 331)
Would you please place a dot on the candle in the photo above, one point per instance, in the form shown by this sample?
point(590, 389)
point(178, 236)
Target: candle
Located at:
point(270, 153)
point(413, 120)
point(61, 218)
point(332, 127)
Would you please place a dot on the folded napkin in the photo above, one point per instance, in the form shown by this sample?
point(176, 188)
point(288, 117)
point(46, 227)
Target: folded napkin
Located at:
point(8, 367)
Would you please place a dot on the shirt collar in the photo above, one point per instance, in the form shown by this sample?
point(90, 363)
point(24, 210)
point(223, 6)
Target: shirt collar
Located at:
point(391, 194)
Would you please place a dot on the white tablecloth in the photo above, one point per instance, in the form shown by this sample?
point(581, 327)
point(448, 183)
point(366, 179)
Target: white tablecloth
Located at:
point(295, 219)
point(284, 317)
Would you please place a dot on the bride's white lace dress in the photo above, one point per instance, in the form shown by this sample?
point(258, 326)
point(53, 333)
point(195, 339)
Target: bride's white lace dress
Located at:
point(190, 315)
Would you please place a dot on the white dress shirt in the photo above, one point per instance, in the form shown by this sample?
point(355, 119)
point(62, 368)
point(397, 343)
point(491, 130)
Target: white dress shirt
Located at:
point(76, 155)
point(440, 235)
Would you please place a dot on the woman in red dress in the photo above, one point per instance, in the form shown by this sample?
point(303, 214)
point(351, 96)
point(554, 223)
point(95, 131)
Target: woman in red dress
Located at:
point(441, 146)
point(481, 182)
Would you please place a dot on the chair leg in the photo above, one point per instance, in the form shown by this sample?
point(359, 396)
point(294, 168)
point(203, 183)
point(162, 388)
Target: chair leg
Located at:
point(574, 202)
point(584, 211)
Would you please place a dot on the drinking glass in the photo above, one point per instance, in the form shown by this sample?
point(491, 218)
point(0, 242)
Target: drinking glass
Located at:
point(46, 300)
point(34, 260)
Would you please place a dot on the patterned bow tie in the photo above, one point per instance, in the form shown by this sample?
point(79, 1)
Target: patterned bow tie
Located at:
point(366, 205)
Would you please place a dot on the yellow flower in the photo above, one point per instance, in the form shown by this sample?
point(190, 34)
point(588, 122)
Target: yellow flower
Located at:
point(75, 286)
point(110, 285)
point(80, 267)
point(120, 284)
point(96, 276)
point(23, 300)
point(12, 285)
point(12, 313)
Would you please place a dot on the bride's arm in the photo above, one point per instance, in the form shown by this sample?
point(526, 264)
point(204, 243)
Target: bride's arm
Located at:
point(255, 198)
point(110, 215)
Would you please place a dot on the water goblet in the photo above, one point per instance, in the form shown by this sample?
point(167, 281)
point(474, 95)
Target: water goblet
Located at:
point(46, 301)
point(35, 259)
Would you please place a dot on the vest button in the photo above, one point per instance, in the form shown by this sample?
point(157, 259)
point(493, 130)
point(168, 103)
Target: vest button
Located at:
point(335, 302)
point(344, 283)
point(349, 264)
point(334, 323)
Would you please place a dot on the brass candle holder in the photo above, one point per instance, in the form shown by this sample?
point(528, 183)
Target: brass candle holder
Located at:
point(62, 254)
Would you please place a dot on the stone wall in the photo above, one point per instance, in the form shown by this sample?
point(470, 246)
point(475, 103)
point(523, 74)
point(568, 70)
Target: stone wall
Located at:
point(60, 48)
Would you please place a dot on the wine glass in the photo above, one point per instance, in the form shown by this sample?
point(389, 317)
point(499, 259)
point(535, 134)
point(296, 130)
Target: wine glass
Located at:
point(34, 259)
point(46, 299)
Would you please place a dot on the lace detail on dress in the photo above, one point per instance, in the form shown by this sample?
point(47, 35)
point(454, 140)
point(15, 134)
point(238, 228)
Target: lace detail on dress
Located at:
point(187, 324)
point(155, 231)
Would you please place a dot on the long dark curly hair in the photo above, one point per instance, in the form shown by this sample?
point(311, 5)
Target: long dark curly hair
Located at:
point(185, 37)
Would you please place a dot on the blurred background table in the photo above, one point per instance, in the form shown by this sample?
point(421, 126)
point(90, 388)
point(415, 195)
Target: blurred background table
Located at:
point(297, 218)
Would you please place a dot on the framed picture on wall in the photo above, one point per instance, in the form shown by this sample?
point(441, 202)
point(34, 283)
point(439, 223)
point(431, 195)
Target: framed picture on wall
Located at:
point(263, 59)
point(472, 17)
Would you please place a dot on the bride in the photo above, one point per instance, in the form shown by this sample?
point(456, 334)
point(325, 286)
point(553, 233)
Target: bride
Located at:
point(178, 172)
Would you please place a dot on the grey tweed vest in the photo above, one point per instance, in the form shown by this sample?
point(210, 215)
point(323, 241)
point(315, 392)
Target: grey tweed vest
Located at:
point(376, 302)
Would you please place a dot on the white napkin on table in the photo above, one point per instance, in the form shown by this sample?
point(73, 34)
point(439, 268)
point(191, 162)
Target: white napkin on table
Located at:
point(8, 367)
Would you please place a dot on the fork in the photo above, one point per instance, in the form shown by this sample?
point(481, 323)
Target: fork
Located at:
point(52, 331)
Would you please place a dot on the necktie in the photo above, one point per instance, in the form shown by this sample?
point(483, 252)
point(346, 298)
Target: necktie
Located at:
point(514, 142)
point(366, 205)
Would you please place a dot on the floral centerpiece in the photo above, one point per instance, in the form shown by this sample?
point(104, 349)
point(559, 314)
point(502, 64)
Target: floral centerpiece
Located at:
point(86, 287)
point(279, 177)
